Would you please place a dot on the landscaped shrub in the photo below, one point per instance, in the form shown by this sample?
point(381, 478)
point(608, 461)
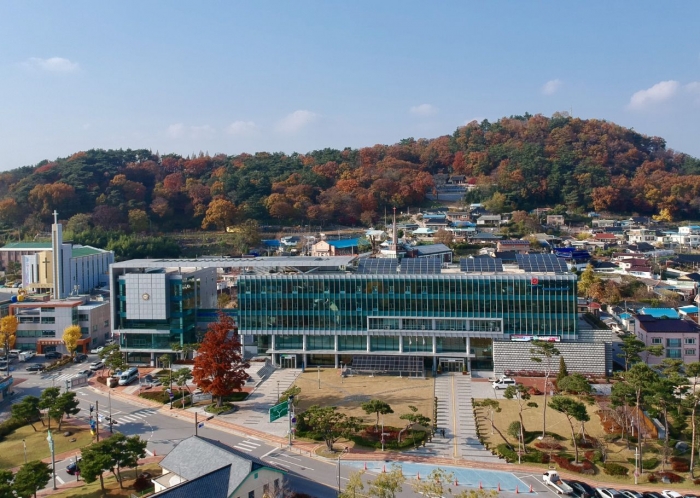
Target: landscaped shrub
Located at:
point(673, 478)
point(615, 469)
point(9, 426)
point(511, 456)
point(594, 456)
point(696, 482)
point(549, 445)
point(583, 467)
point(680, 464)
point(648, 464)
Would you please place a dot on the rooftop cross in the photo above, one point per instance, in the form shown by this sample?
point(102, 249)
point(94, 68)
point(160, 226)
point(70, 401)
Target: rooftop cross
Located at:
point(55, 217)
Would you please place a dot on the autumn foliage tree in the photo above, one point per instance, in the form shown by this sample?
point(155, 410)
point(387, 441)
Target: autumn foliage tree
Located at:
point(219, 367)
point(71, 336)
point(220, 214)
point(8, 331)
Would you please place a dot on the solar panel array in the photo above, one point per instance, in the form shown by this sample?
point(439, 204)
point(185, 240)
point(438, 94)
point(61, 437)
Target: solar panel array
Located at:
point(409, 364)
point(420, 266)
point(378, 266)
point(548, 263)
point(481, 265)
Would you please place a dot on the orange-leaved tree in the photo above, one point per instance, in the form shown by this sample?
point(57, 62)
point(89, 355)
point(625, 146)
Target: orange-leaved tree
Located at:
point(219, 367)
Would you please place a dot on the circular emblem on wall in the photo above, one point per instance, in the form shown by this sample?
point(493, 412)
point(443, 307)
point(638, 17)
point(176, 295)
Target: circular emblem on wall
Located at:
point(145, 297)
point(534, 281)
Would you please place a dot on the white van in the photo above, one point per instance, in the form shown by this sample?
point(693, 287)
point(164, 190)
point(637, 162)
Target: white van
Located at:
point(129, 376)
point(26, 355)
point(503, 383)
point(14, 353)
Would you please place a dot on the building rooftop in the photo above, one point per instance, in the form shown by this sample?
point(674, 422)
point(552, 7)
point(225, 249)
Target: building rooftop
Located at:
point(673, 325)
point(81, 251)
point(343, 243)
point(197, 456)
point(26, 246)
point(660, 312)
point(432, 249)
point(226, 262)
point(215, 484)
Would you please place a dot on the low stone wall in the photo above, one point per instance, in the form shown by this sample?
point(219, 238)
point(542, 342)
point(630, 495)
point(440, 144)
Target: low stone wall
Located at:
point(594, 358)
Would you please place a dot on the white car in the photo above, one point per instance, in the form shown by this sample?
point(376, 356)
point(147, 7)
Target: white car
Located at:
point(96, 365)
point(503, 383)
point(97, 350)
point(671, 494)
point(608, 493)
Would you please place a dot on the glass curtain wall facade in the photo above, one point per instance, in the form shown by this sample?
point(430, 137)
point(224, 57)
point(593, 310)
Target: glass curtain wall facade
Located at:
point(296, 305)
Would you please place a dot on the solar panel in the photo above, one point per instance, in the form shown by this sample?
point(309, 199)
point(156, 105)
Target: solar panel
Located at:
point(405, 363)
point(377, 266)
point(420, 266)
point(481, 265)
point(547, 263)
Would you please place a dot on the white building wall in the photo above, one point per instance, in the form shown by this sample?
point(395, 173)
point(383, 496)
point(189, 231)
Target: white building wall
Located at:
point(147, 296)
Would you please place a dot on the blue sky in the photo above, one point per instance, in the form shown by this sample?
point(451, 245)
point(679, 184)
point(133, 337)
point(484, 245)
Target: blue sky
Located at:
point(296, 76)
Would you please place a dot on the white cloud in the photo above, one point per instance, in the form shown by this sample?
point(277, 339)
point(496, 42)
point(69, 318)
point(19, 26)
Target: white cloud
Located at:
point(423, 110)
point(552, 86)
point(53, 64)
point(242, 128)
point(176, 130)
point(295, 121)
point(660, 92)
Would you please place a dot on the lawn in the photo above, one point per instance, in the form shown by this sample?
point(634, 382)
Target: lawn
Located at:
point(557, 424)
point(93, 490)
point(12, 449)
point(349, 393)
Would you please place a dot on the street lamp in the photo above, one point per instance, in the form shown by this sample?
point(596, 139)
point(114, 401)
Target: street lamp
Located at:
point(53, 458)
point(25, 450)
point(110, 409)
point(345, 450)
point(319, 376)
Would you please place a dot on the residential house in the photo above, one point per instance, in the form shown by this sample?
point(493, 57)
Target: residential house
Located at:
point(555, 220)
point(607, 238)
point(678, 337)
point(605, 223)
point(343, 247)
point(484, 237)
point(440, 251)
point(520, 246)
point(459, 216)
point(641, 235)
point(489, 220)
point(208, 464)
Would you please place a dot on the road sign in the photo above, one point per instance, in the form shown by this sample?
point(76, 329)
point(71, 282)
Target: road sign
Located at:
point(279, 411)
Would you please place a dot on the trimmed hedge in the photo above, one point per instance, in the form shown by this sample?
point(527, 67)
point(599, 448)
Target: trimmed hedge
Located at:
point(615, 469)
point(407, 442)
point(680, 464)
point(511, 456)
point(583, 467)
point(658, 476)
point(648, 464)
point(9, 426)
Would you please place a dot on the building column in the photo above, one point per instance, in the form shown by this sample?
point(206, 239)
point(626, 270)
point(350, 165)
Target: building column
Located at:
point(335, 342)
point(335, 357)
point(434, 344)
point(153, 359)
point(469, 355)
point(303, 342)
point(305, 361)
point(369, 343)
point(400, 343)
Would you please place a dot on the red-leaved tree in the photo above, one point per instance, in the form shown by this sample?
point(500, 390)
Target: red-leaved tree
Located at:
point(219, 367)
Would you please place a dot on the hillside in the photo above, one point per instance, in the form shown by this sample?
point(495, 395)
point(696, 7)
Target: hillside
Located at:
point(526, 161)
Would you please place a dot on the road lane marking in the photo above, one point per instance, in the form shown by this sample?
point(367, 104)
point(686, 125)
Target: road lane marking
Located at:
point(60, 481)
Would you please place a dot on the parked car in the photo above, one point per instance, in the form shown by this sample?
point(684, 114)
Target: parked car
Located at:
point(86, 373)
point(581, 489)
point(36, 367)
point(631, 494)
point(53, 355)
point(79, 358)
point(608, 493)
point(109, 342)
point(671, 494)
point(73, 467)
point(150, 381)
point(96, 365)
point(503, 383)
point(652, 494)
point(97, 350)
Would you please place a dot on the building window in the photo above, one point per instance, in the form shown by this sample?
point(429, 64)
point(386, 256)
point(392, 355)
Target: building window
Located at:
point(83, 317)
point(673, 343)
point(106, 323)
point(84, 330)
point(251, 494)
point(690, 352)
point(48, 333)
point(690, 340)
point(656, 340)
point(266, 489)
point(48, 319)
point(673, 353)
point(48, 310)
point(277, 486)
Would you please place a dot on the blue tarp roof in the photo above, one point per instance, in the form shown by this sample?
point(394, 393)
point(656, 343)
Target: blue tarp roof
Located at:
point(660, 312)
point(625, 316)
point(688, 309)
point(344, 243)
point(271, 243)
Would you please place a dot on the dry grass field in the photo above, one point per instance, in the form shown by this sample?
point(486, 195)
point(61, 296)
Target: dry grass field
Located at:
point(349, 393)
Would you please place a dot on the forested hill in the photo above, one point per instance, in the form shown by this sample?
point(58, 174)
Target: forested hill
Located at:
point(526, 161)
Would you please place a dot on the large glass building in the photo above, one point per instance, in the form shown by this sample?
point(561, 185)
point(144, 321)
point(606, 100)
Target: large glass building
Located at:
point(450, 319)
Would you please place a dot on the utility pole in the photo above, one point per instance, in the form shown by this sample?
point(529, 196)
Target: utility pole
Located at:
point(109, 392)
point(53, 458)
point(319, 370)
point(97, 420)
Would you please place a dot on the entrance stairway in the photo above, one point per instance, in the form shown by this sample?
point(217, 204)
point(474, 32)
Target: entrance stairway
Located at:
point(455, 415)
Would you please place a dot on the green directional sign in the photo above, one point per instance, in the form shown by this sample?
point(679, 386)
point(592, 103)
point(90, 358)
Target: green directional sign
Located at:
point(279, 411)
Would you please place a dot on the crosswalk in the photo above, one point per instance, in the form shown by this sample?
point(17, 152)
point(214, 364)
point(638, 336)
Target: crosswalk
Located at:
point(136, 416)
point(58, 376)
point(247, 446)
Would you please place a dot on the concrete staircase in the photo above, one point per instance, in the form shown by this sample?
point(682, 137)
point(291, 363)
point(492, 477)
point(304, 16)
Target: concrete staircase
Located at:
point(455, 415)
